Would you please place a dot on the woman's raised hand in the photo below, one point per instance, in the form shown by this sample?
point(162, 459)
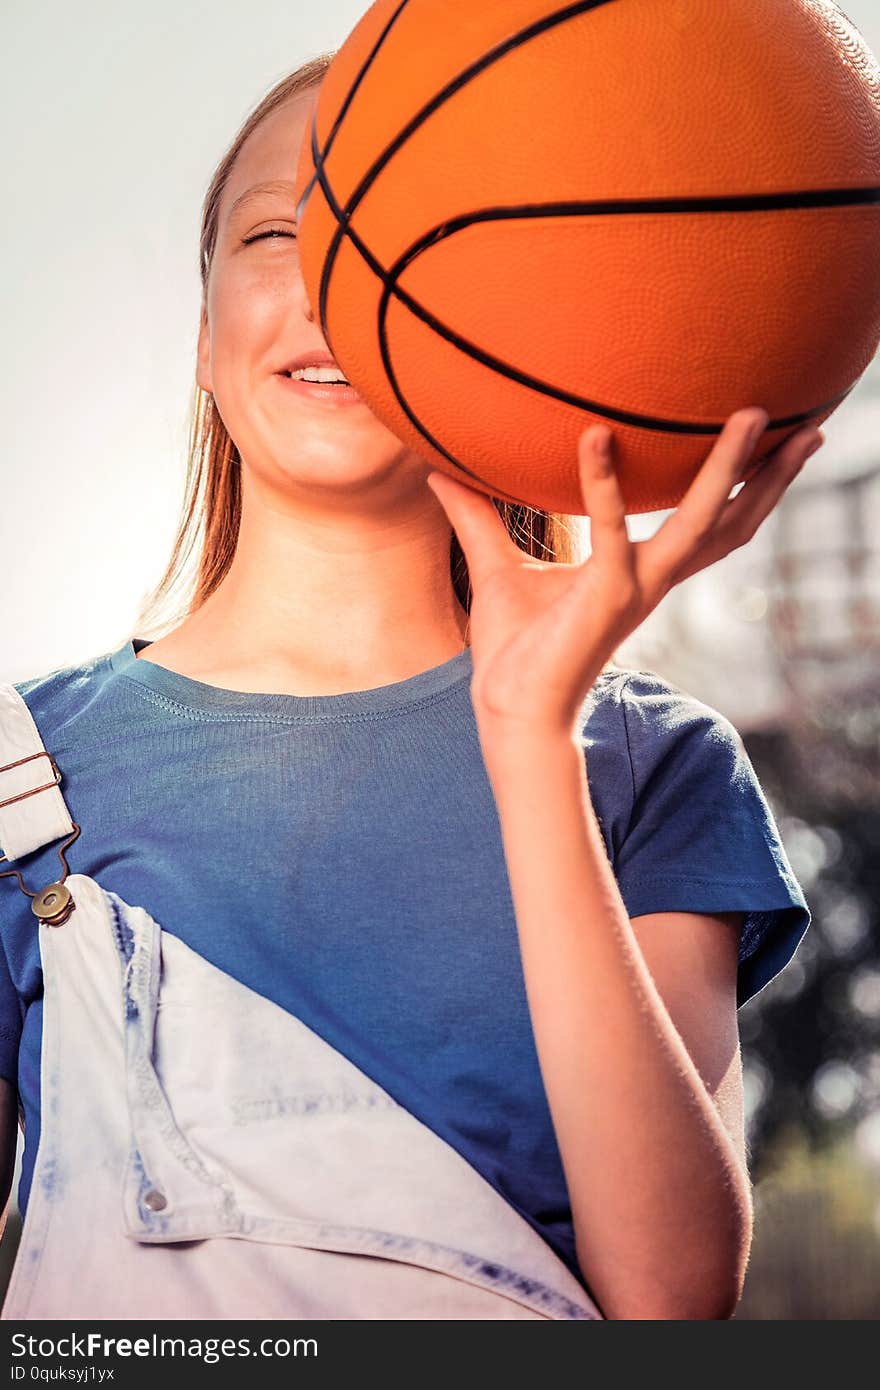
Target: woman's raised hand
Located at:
point(541, 632)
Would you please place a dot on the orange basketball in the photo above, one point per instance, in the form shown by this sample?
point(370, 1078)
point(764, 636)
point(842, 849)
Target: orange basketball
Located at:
point(518, 219)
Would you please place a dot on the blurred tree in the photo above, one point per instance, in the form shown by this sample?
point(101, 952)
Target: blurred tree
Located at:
point(811, 1039)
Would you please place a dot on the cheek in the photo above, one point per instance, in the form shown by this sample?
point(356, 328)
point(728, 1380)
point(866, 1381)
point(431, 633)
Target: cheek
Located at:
point(250, 301)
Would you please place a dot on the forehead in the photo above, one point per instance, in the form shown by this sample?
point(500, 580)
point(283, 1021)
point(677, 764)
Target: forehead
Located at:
point(269, 156)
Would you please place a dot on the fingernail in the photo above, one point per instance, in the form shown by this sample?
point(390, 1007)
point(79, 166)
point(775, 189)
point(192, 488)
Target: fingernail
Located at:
point(758, 428)
point(816, 444)
point(809, 450)
point(602, 437)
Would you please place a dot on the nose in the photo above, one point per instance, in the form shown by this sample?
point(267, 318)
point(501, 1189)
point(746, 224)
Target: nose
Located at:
point(308, 308)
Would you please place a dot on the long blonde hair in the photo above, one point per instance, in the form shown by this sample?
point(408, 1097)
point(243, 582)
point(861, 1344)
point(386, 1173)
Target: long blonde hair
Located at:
point(212, 495)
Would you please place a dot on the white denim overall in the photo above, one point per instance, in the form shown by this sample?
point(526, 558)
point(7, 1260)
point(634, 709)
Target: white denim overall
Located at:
point(204, 1154)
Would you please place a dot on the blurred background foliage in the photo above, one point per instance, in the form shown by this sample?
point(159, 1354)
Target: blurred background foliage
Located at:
point(811, 1057)
point(783, 636)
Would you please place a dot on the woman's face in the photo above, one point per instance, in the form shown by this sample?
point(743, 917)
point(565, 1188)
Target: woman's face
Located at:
point(259, 318)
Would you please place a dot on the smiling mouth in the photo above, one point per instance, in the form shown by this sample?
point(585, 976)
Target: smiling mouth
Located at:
point(322, 381)
point(328, 392)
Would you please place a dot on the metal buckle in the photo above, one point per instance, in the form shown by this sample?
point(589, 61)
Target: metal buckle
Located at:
point(53, 904)
point(30, 757)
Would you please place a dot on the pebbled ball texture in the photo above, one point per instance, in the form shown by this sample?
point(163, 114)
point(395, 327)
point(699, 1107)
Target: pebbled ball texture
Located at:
point(517, 219)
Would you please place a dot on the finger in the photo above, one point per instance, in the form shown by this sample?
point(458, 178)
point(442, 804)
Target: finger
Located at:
point(482, 534)
point(746, 512)
point(609, 539)
point(693, 521)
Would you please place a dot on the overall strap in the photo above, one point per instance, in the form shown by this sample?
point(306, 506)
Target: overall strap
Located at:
point(32, 810)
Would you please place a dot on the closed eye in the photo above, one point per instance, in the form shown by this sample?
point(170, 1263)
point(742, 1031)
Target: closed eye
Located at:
point(273, 231)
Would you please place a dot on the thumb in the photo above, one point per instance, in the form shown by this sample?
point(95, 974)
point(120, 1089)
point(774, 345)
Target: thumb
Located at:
point(481, 532)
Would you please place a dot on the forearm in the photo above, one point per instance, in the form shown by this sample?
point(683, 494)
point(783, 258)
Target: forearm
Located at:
point(661, 1205)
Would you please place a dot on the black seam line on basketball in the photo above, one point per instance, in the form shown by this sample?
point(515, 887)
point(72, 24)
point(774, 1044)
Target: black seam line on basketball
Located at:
point(389, 278)
point(614, 207)
point(461, 80)
point(365, 67)
point(745, 202)
point(385, 279)
point(647, 422)
point(413, 418)
point(343, 229)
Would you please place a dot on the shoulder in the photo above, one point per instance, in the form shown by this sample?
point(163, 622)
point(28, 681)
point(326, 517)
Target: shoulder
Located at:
point(60, 677)
point(660, 717)
point(657, 702)
point(650, 714)
point(656, 695)
point(58, 697)
point(650, 743)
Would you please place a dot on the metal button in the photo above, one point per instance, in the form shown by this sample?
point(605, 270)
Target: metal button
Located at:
point(53, 905)
point(155, 1200)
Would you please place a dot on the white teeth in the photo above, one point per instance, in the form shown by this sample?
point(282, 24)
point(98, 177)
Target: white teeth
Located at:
point(326, 374)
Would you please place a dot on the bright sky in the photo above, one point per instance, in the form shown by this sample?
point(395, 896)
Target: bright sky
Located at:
point(115, 117)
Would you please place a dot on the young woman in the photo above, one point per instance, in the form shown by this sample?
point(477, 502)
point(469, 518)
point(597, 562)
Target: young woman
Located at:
point(408, 930)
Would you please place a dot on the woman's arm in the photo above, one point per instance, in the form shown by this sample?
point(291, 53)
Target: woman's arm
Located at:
point(660, 1194)
point(693, 959)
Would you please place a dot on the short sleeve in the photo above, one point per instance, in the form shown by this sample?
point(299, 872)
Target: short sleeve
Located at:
point(701, 836)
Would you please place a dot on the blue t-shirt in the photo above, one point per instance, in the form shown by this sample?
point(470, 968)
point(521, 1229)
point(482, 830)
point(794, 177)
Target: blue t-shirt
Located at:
point(342, 855)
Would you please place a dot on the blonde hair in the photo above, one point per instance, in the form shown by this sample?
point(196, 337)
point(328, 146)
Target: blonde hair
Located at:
point(212, 493)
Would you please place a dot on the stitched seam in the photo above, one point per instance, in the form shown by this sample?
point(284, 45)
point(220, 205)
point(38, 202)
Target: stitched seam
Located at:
point(708, 881)
point(249, 717)
point(632, 776)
